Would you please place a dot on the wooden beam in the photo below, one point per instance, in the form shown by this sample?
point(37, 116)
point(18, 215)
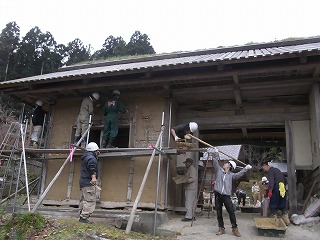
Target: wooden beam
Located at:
point(244, 132)
point(212, 89)
point(201, 77)
point(316, 73)
point(248, 120)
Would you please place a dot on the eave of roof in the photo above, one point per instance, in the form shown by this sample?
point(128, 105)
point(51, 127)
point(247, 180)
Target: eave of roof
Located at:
point(225, 55)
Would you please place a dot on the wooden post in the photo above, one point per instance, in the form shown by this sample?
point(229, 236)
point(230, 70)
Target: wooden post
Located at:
point(291, 170)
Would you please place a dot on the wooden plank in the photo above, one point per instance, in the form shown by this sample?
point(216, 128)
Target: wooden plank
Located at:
point(130, 179)
point(248, 120)
point(308, 197)
point(70, 180)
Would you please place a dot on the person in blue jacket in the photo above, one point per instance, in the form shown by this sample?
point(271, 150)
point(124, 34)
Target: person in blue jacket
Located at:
point(88, 180)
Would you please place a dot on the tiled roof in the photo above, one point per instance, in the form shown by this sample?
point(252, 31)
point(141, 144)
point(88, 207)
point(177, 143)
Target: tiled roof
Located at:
point(179, 59)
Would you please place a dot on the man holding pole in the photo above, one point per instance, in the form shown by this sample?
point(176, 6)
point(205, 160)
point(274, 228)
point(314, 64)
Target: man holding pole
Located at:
point(223, 188)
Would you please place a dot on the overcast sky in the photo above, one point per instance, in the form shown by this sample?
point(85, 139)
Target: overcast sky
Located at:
point(172, 25)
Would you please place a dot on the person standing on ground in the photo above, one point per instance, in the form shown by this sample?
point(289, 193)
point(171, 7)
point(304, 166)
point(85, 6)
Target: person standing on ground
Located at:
point(223, 188)
point(190, 189)
point(276, 192)
point(88, 180)
point(265, 200)
point(255, 189)
point(265, 187)
point(37, 122)
point(179, 132)
point(86, 109)
point(241, 195)
point(111, 110)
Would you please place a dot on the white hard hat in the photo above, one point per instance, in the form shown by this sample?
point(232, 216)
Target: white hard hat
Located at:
point(233, 164)
point(92, 146)
point(200, 163)
point(39, 102)
point(96, 96)
point(264, 179)
point(193, 126)
point(116, 92)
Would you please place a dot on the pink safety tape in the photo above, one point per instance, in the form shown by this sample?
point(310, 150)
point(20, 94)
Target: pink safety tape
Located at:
point(72, 149)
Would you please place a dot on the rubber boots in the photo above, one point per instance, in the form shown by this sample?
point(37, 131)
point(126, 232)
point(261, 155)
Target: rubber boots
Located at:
point(110, 143)
point(104, 143)
point(221, 231)
point(286, 219)
point(235, 232)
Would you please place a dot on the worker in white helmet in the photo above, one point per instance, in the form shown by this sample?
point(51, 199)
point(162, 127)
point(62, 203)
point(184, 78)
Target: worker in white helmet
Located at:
point(223, 188)
point(179, 132)
point(88, 180)
point(265, 200)
point(38, 117)
point(111, 111)
point(86, 109)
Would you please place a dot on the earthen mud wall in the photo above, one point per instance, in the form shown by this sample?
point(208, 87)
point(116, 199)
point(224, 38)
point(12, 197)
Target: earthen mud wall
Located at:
point(145, 115)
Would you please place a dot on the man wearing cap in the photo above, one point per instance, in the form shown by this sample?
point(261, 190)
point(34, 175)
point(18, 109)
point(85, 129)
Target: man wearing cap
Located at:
point(223, 188)
point(276, 192)
point(190, 189)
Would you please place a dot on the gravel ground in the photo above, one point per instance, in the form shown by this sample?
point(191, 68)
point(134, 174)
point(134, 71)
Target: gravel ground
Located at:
point(205, 228)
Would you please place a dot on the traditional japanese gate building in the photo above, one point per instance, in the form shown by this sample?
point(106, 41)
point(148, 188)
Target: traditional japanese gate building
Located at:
point(253, 94)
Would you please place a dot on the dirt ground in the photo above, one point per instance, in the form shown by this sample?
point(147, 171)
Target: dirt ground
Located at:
point(205, 228)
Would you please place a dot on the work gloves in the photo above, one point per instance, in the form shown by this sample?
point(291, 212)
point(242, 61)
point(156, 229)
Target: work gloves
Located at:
point(248, 167)
point(187, 136)
point(269, 193)
point(176, 138)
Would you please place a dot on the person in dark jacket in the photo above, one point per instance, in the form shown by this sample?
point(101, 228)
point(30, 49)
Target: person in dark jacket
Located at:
point(223, 188)
point(37, 122)
point(241, 196)
point(276, 191)
point(88, 180)
point(111, 110)
point(179, 131)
